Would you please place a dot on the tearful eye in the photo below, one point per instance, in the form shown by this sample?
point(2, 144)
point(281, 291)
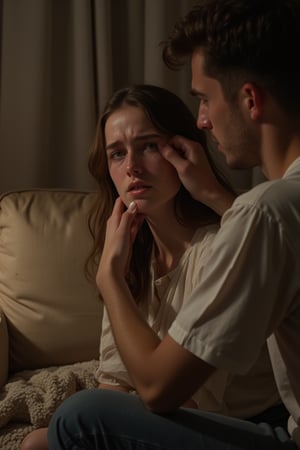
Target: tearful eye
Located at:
point(151, 146)
point(116, 155)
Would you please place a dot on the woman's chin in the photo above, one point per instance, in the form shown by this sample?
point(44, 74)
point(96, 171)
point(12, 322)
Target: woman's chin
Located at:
point(142, 206)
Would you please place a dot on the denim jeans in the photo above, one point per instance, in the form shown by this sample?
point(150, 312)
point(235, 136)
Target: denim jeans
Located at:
point(102, 419)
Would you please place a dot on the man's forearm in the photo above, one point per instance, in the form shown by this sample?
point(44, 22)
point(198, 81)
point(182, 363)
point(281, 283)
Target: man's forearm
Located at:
point(164, 374)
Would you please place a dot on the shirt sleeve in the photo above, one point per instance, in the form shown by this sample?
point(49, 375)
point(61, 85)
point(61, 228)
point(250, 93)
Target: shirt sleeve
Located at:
point(237, 303)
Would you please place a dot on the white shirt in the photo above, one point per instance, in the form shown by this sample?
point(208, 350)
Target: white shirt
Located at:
point(221, 393)
point(249, 289)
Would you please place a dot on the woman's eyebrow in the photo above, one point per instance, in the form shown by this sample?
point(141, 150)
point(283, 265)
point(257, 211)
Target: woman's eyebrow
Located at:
point(146, 136)
point(140, 137)
point(112, 145)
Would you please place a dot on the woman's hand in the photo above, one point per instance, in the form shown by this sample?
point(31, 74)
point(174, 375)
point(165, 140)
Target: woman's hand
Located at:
point(121, 231)
point(194, 170)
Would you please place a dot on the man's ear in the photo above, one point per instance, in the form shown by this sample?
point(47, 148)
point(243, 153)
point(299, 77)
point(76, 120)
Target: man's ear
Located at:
point(252, 97)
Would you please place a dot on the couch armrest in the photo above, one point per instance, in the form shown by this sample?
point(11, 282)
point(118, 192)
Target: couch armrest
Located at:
point(3, 349)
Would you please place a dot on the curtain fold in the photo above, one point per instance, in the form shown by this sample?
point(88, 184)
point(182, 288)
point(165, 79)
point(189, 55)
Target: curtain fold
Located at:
point(59, 63)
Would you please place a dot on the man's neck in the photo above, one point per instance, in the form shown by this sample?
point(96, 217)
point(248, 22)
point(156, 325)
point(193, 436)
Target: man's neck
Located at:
point(280, 150)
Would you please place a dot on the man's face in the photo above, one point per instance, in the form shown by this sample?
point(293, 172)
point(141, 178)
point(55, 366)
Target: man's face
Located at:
point(229, 126)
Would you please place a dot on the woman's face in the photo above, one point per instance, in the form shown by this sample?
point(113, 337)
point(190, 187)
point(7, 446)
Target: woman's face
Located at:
point(135, 164)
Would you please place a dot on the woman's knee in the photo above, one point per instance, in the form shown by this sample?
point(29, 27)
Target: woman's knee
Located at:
point(83, 414)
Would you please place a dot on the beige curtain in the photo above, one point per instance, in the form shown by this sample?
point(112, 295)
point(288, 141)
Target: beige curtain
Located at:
point(60, 60)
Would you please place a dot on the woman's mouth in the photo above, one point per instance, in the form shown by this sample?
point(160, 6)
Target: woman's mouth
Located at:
point(138, 188)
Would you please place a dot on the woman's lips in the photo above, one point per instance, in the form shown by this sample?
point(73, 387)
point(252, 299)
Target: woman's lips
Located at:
point(138, 186)
point(139, 190)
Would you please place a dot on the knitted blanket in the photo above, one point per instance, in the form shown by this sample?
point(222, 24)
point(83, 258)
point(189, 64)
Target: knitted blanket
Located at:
point(30, 398)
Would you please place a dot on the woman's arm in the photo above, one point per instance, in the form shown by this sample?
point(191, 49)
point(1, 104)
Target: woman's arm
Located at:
point(164, 373)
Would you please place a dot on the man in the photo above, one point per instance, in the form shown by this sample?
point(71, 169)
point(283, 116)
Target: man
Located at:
point(245, 72)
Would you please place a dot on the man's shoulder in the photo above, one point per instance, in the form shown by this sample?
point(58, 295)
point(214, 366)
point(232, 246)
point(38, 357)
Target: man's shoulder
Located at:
point(276, 192)
point(276, 201)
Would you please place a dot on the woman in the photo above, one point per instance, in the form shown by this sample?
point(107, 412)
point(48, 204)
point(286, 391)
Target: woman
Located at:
point(172, 236)
point(136, 122)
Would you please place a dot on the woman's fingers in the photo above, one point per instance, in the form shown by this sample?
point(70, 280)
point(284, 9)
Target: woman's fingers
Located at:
point(121, 230)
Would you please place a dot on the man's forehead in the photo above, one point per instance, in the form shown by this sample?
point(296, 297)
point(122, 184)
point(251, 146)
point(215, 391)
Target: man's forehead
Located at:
point(197, 66)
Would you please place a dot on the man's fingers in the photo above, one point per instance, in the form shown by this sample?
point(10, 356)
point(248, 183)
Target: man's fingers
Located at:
point(175, 156)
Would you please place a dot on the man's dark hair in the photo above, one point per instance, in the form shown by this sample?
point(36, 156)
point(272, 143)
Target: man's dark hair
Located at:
point(243, 41)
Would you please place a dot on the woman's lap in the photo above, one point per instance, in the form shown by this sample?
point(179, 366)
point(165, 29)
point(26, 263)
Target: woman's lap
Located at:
point(103, 419)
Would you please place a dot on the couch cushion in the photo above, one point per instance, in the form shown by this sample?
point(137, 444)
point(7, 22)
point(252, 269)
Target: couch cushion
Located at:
point(53, 313)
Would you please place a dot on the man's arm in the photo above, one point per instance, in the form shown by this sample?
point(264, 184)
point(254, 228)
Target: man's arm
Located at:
point(164, 373)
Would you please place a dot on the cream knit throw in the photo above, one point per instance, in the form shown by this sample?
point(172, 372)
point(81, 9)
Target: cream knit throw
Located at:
point(29, 399)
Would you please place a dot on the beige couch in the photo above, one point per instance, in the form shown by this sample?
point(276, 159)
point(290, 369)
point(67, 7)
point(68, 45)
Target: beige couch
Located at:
point(50, 314)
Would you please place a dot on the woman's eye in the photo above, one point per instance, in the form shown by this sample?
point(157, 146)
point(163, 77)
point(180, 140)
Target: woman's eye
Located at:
point(151, 146)
point(117, 154)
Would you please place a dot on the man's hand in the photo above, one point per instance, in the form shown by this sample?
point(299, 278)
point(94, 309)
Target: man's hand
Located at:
point(194, 170)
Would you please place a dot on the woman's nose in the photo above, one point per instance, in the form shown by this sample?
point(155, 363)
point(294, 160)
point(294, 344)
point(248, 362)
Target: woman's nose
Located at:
point(133, 166)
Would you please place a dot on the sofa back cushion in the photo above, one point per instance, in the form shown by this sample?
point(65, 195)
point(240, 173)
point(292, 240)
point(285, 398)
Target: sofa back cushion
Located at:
point(53, 313)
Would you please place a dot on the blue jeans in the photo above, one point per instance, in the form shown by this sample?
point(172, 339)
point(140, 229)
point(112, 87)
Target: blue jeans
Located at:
point(101, 419)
